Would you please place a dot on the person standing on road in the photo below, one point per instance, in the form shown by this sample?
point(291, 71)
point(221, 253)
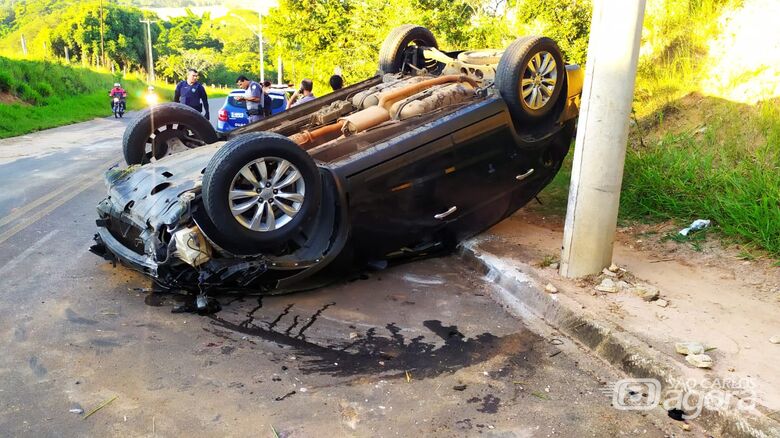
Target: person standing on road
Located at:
point(190, 92)
point(253, 96)
point(267, 102)
point(336, 82)
point(303, 95)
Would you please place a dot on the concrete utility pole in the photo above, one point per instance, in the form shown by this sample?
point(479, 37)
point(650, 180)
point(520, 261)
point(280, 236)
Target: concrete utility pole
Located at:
point(602, 134)
point(149, 60)
point(259, 35)
point(260, 40)
point(279, 74)
point(102, 51)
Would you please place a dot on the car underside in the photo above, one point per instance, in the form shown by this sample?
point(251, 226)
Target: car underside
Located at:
point(400, 165)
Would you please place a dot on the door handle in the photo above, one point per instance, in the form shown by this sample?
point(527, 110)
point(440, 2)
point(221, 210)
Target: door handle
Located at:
point(524, 175)
point(452, 209)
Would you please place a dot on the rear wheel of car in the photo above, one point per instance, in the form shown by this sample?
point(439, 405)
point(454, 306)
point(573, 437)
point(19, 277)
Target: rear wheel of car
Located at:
point(260, 190)
point(530, 77)
point(146, 137)
point(393, 50)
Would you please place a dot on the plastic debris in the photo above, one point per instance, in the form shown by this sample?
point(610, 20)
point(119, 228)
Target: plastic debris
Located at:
point(775, 339)
point(698, 224)
point(699, 360)
point(76, 411)
point(689, 347)
point(613, 268)
point(551, 289)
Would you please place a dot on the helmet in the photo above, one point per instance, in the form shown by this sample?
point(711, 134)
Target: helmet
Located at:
point(117, 84)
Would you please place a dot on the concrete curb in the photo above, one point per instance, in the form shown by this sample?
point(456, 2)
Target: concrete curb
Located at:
point(521, 291)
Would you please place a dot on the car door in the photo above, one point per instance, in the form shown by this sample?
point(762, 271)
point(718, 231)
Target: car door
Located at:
point(486, 168)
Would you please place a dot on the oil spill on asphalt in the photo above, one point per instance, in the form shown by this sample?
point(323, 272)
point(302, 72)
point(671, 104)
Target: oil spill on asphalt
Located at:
point(372, 354)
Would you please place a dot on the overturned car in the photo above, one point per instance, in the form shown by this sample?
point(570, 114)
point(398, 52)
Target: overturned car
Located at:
point(437, 147)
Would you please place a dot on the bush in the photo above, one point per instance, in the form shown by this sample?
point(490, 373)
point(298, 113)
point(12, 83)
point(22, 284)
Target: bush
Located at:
point(44, 89)
point(7, 82)
point(26, 93)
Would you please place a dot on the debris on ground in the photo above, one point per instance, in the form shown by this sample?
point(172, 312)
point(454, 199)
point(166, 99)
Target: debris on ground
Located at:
point(551, 289)
point(699, 360)
point(202, 305)
point(100, 406)
point(353, 335)
point(608, 273)
point(646, 292)
point(76, 411)
point(613, 268)
point(698, 224)
point(459, 387)
point(607, 285)
point(661, 302)
point(689, 347)
point(775, 339)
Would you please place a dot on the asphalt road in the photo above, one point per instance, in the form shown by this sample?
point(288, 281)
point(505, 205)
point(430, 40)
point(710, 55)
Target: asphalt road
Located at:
point(416, 350)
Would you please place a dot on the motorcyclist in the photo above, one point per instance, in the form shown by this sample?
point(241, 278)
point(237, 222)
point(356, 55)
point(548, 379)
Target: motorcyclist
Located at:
point(119, 92)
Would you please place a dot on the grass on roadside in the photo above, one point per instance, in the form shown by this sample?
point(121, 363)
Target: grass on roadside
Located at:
point(42, 95)
point(723, 171)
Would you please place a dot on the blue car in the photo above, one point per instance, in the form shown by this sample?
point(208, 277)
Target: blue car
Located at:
point(233, 115)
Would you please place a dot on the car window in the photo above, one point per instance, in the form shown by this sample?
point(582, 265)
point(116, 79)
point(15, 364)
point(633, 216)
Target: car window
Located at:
point(233, 102)
point(276, 102)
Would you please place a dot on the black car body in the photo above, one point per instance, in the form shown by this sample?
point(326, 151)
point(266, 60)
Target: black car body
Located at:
point(399, 188)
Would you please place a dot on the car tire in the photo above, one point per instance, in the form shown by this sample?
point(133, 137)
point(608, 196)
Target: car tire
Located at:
point(531, 95)
point(228, 190)
point(393, 50)
point(145, 137)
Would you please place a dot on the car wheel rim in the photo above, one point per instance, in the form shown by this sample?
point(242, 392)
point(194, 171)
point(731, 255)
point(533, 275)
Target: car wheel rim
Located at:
point(156, 146)
point(266, 194)
point(539, 80)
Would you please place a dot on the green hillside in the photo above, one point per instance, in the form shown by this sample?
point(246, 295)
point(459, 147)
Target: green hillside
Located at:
point(36, 95)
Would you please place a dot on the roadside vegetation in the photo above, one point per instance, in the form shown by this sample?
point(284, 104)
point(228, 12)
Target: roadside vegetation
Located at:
point(692, 155)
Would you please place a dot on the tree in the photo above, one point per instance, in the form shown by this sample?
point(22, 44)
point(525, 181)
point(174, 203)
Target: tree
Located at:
point(567, 22)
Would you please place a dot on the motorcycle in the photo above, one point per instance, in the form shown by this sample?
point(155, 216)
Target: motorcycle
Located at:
point(118, 107)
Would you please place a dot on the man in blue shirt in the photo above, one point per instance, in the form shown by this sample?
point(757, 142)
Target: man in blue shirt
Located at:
point(192, 93)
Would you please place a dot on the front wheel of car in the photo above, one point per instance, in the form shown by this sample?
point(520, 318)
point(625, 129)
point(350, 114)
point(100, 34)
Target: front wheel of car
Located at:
point(530, 77)
point(146, 137)
point(260, 190)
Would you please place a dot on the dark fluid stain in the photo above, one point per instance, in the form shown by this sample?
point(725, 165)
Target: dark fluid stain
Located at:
point(676, 414)
point(372, 354)
point(20, 334)
point(71, 316)
point(37, 367)
point(489, 404)
point(464, 424)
